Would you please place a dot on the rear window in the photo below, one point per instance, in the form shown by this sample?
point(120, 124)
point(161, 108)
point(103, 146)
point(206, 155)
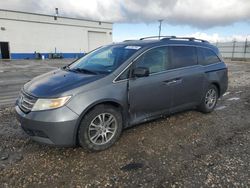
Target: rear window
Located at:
point(207, 56)
point(183, 56)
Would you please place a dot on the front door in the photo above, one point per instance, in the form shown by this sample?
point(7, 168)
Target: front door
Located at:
point(150, 96)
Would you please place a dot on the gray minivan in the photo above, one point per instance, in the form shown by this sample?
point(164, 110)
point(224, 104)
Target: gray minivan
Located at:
point(91, 101)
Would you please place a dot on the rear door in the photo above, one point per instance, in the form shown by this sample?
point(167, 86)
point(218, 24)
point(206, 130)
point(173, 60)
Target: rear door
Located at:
point(150, 96)
point(186, 77)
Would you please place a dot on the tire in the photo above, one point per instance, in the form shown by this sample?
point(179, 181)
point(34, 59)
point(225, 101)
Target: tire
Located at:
point(208, 104)
point(100, 121)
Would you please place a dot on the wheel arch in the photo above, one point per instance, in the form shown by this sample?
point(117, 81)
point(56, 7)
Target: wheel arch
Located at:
point(110, 102)
point(217, 85)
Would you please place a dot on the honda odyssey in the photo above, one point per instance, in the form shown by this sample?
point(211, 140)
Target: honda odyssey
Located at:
point(90, 101)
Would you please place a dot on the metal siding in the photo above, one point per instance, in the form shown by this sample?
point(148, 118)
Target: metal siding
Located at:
point(96, 39)
point(27, 33)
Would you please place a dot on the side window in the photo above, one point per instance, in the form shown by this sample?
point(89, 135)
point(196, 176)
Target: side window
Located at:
point(183, 56)
point(156, 60)
point(124, 75)
point(207, 56)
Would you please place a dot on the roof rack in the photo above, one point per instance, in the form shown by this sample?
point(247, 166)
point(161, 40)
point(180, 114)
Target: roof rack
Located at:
point(174, 38)
point(157, 37)
point(186, 38)
point(129, 40)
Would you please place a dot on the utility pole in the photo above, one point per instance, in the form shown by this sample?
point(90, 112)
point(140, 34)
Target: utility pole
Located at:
point(160, 21)
point(56, 15)
point(246, 48)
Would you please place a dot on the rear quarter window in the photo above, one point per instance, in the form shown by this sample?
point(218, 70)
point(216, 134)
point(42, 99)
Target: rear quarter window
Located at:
point(207, 56)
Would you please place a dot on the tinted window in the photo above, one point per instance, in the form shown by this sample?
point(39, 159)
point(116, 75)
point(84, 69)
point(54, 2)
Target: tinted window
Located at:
point(183, 56)
point(156, 60)
point(207, 56)
point(124, 75)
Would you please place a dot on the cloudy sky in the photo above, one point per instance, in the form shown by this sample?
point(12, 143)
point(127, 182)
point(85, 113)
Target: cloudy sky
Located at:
point(209, 19)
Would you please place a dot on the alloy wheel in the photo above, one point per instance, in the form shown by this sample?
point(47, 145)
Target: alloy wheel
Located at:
point(102, 128)
point(211, 97)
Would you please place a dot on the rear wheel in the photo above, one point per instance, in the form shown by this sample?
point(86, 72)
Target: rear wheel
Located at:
point(209, 100)
point(100, 128)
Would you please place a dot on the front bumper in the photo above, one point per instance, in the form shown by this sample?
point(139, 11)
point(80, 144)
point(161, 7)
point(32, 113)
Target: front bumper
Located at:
point(54, 127)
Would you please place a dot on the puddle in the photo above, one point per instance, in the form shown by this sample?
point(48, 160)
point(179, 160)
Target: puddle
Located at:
point(220, 108)
point(239, 92)
point(132, 166)
point(233, 99)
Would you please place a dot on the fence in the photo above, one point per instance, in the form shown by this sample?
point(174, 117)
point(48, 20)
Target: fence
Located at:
point(235, 49)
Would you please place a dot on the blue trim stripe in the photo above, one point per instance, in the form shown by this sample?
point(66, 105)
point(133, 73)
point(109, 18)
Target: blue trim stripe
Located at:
point(46, 55)
point(22, 56)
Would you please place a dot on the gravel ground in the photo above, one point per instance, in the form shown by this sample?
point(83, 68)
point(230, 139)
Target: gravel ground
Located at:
point(188, 149)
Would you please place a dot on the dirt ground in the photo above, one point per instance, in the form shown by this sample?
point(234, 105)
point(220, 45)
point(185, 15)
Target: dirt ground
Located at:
point(188, 149)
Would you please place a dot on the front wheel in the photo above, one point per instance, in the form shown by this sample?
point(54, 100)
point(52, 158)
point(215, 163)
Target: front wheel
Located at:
point(209, 100)
point(100, 128)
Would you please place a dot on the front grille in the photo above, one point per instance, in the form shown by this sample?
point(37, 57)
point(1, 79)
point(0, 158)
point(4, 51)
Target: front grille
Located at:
point(26, 102)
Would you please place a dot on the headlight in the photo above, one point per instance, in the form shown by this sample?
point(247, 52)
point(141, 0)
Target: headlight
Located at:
point(46, 104)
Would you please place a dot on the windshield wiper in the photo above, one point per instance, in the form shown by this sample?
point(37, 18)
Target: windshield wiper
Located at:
point(65, 67)
point(82, 70)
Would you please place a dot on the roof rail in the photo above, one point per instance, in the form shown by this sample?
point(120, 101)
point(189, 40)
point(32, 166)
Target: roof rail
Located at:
point(129, 40)
point(171, 38)
point(186, 38)
point(157, 37)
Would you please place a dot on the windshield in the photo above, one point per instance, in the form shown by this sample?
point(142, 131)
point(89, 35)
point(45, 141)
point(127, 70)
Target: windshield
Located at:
point(104, 60)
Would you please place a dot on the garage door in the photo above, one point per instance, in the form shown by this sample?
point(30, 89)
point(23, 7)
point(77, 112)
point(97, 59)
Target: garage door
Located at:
point(96, 39)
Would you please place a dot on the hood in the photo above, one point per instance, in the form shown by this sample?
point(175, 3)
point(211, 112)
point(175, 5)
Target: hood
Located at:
point(53, 84)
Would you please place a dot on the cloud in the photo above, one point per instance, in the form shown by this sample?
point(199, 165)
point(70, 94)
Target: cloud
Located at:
point(215, 37)
point(200, 14)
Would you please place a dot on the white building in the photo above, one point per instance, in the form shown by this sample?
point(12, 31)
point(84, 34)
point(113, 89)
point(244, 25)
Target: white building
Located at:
point(23, 35)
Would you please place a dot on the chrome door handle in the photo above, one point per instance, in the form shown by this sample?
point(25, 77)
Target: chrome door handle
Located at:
point(175, 81)
point(172, 82)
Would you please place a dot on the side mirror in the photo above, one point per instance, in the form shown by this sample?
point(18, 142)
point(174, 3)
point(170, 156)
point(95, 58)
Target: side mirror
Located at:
point(140, 72)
